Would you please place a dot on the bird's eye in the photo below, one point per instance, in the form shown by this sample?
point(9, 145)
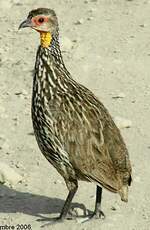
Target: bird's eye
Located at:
point(40, 20)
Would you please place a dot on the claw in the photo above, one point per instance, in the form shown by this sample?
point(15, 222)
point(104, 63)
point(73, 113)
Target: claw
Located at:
point(96, 215)
point(44, 219)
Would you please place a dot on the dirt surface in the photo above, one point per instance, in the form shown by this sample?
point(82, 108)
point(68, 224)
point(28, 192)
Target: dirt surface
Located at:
point(106, 47)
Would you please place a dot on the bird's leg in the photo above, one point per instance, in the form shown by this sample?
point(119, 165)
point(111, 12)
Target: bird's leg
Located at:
point(98, 212)
point(73, 186)
point(67, 204)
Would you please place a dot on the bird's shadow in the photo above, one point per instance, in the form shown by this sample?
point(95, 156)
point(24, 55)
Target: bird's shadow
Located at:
point(13, 201)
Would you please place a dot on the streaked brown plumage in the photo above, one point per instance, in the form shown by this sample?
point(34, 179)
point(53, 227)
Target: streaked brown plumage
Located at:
point(73, 129)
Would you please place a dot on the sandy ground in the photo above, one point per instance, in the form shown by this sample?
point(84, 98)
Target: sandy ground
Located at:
point(106, 47)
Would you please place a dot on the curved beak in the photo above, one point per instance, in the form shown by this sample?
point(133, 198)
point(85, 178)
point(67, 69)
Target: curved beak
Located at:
point(26, 23)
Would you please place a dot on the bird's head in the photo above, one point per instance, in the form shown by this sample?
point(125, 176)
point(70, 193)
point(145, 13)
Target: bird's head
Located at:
point(44, 21)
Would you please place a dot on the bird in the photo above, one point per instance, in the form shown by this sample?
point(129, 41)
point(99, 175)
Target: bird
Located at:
point(73, 129)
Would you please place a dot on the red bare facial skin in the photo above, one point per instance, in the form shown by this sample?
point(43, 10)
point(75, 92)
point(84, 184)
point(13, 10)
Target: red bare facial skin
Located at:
point(39, 20)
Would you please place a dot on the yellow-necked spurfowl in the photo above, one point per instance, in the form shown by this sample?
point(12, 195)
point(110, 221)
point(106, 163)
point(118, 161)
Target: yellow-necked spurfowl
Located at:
point(73, 129)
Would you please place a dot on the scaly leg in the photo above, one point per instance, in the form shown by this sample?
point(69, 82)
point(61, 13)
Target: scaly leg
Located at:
point(98, 212)
point(66, 207)
point(67, 204)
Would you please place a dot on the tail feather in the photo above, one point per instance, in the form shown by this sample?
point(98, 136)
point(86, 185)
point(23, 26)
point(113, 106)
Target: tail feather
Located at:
point(130, 180)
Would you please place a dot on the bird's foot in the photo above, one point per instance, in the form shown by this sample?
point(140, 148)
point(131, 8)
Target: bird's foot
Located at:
point(97, 215)
point(56, 220)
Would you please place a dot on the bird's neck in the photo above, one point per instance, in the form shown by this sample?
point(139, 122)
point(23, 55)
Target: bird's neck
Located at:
point(46, 39)
point(49, 63)
point(55, 51)
point(50, 73)
point(51, 43)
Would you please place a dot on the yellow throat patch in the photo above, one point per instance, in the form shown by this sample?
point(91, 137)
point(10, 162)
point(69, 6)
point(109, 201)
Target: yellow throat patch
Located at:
point(45, 39)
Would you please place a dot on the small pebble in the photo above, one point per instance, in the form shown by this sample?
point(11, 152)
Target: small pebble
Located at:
point(119, 95)
point(93, 197)
point(75, 40)
point(142, 25)
point(19, 165)
point(8, 175)
point(133, 101)
point(17, 2)
point(113, 208)
point(82, 220)
point(57, 182)
point(31, 134)
point(90, 18)
point(122, 122)
point(22, 92)
point(79, 22)
point(78, 211)
point(92, 10)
